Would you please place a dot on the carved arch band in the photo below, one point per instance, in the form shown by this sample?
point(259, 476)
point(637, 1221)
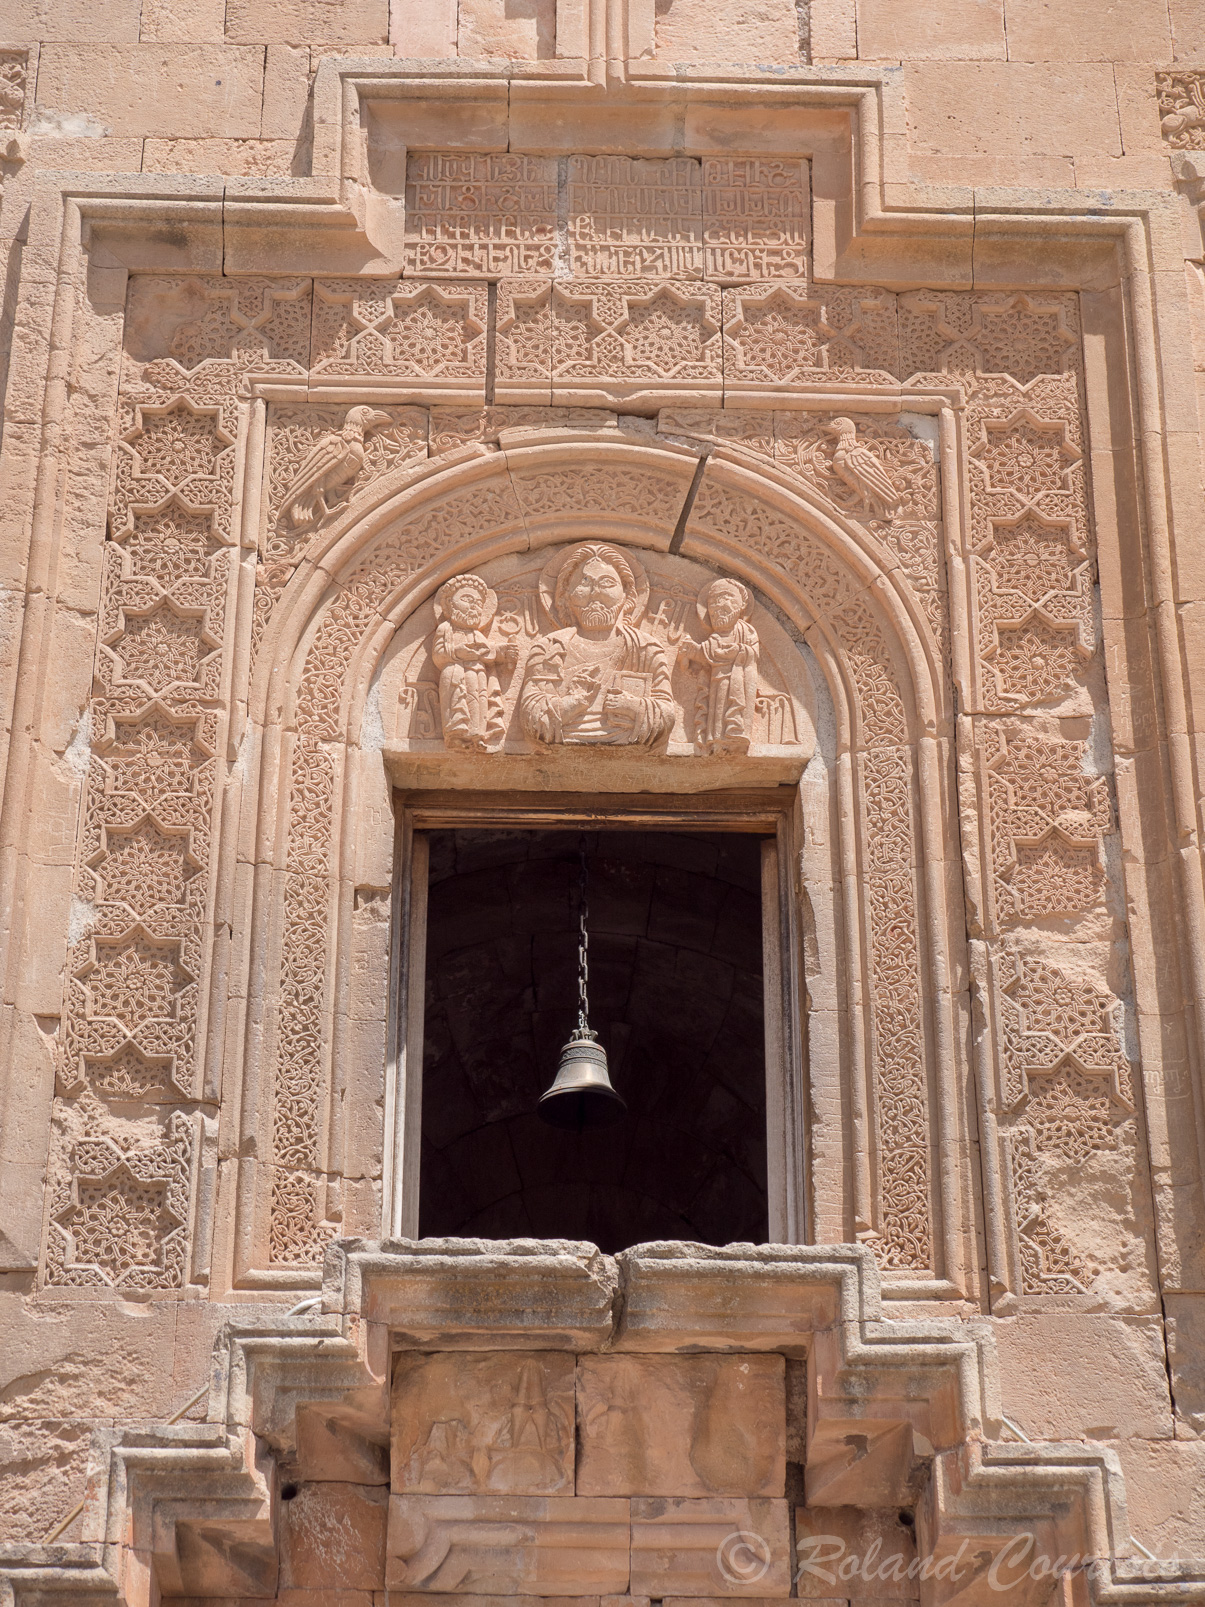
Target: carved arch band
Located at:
point(881, 1063)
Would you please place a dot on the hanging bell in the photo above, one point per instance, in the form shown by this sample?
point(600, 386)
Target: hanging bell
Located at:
point(582, 1095)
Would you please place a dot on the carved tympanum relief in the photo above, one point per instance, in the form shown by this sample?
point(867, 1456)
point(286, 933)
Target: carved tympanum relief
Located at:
point(469, 665)
point(726, 711)
point(597, 646)
point(599, 680)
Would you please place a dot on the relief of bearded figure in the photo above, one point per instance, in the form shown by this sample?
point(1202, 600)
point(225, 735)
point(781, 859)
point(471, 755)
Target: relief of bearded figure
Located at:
point(470, 700)
point(598, 680)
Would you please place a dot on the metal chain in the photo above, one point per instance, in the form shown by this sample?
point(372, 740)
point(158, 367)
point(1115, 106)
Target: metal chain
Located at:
point(583, 941)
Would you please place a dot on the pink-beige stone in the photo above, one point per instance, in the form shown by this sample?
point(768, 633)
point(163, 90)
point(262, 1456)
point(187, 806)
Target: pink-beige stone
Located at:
point(715, 1547)
point(508, 1545)
point(888, 321)
point(481, 1424)
point(681, 1426)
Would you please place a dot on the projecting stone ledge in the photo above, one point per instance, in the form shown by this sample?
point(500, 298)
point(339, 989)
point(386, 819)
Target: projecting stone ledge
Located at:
point(480, 1294)
point(552, 1294)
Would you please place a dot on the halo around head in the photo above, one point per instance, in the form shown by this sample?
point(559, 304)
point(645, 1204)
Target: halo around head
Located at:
point(473, 583)
point(557, 577)
point(746, 596)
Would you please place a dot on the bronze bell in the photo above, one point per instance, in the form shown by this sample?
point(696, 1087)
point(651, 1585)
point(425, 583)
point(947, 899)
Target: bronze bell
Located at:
point(582, 1095)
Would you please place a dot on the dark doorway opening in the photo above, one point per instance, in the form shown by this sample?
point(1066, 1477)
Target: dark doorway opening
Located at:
point(676, 997)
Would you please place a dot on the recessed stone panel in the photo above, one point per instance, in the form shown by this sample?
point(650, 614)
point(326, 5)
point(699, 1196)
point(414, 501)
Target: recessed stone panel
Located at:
point(478, 216)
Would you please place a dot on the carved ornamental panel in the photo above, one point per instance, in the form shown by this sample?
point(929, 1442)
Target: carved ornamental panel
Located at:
point(260, 418)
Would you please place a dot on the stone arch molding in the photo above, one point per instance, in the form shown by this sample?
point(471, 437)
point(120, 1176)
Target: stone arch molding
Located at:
point(315, 804)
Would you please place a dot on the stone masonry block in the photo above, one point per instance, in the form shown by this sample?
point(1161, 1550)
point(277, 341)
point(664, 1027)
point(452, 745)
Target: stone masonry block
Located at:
point(867, 1553)
point(245, 158)
point(948, 30)
point(508, 1545)
point(1012, 109)
point(1165, 1496)
point(286, 91)
point(689, 1426)
point(182, 21)
point(329, 1449)
point(490, 32)
point(726, 30)
point(714, 1547)
point(308, 22)
point(1091, 30)
point(489, 1423)
point(70, 21)
point(181, 91)
point(334, 1532)
point(1186, 1353)
point(423, 28)
point(1070, 1375)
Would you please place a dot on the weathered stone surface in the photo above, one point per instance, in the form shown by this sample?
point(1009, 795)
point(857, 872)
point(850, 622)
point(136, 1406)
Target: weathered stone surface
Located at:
point(1066, 1374)
point(717, 1547)
point(331, 1449)
point(172, 91)
point(688, 1426)
point(334, 1531)
point(1186, 1358)
point(293, 22)
point(467, 1424)
point(538, 1294)
point(43, 1465)
point(870, 1554)
point(500, 1545)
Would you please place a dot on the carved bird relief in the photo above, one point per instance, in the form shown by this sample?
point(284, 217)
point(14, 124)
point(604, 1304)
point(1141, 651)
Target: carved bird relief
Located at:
point(860, 470)
point(329, 468)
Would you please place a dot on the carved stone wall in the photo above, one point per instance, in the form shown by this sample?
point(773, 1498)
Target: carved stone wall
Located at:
point(135, 1120)
point(178, 624)
point(870, 338)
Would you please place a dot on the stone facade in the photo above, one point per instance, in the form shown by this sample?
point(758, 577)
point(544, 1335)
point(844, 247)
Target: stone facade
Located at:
point(780, 417)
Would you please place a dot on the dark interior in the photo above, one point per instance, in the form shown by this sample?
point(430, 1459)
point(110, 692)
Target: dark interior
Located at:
point(675, 996)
